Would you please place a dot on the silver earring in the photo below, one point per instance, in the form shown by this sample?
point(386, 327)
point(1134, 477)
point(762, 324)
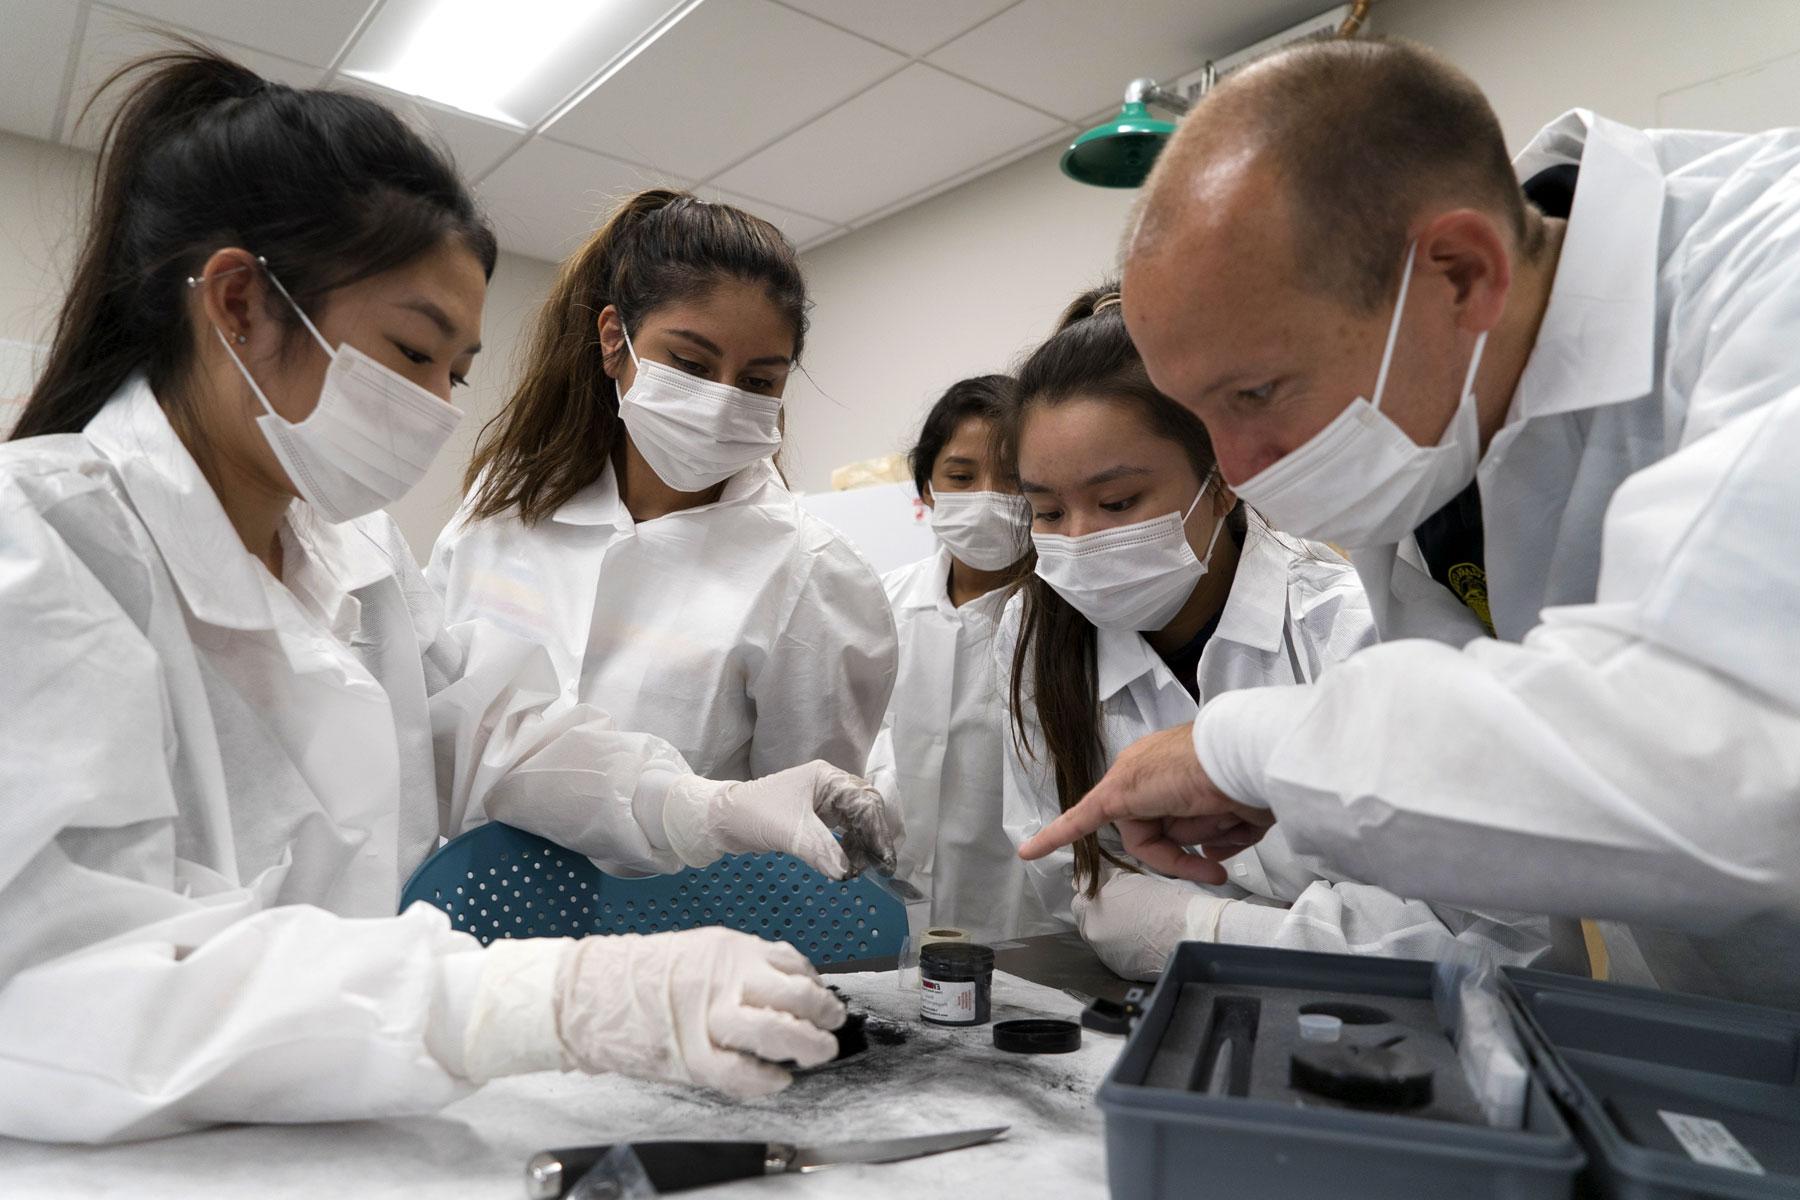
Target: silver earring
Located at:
point(241, 339)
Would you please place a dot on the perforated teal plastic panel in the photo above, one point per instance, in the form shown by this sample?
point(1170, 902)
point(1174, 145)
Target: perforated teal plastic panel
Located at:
point(496, 881)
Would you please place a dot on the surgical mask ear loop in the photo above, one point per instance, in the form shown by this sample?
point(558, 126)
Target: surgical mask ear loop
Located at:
point(1474, 364)
point(1198, 496)
point(635, 361)
point(194, 281)
point(1217, 526)
point(1387, 355)
point(318, 337)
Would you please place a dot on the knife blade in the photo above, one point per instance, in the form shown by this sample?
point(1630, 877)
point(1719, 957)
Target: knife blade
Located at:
point(678, 1166)
point(809, 1159)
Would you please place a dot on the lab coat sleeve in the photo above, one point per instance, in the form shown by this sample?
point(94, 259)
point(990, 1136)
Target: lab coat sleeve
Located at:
point(1028, 787)
point(1291, 903)
point(141, 993)
point(1359, 918)
point(508, 750)
point(881, 771)
point(824, 687)
point(1635, 758)
point(441, 569)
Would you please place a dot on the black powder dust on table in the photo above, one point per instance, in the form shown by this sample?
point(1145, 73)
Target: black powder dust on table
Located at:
point(860, 1029)
point(954, 1075)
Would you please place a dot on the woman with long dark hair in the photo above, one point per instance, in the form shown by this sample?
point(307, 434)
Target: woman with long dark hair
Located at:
point(938, 757)
point(1155, 590)
point(234, 717)
point(625, 509)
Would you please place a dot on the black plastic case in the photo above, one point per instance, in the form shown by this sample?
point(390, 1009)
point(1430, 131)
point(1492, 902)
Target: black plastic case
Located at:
point(1605, 1059)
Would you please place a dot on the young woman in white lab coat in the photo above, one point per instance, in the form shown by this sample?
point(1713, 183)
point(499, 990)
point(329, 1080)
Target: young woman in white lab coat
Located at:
point(938, 758)
point(1154, 590)
point(234, 719)
point(625, 511)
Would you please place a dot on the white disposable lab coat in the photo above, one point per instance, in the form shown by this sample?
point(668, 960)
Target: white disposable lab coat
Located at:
point(938, 759)
point(1294, 611)
point(1630, 747)
point(747, 632)
point(213, 787)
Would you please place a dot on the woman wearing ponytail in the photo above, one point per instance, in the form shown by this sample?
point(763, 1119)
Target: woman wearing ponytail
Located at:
point(234, 717)
point(1154, 591)
point(938, 759)
point(625, 511)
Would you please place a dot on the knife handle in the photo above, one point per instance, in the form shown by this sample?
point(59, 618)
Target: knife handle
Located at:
point(671, 1166)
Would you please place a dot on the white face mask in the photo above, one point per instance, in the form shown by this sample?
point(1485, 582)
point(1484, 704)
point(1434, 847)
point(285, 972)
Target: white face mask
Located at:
point(1360, 481)
point(369, 439)
point(1135, 577)
point(693, 432)
point(984, 529)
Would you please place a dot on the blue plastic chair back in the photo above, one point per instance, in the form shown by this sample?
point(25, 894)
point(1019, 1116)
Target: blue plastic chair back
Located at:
point(496, 881)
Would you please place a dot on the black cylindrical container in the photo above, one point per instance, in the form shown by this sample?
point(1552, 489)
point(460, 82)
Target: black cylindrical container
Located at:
point(956, 981)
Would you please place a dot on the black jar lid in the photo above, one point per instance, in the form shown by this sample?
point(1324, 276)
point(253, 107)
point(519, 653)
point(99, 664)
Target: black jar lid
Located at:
point(956, 960)
point(1037, 1036)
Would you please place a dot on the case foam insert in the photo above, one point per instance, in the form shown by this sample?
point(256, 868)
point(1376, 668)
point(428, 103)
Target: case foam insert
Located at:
point(1278, 1036)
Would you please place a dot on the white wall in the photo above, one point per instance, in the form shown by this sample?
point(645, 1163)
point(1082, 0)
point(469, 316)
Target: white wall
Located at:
point(1643, 62)
point(40, 187)
point(43, 191)
point(958, 285)
point(965, 281)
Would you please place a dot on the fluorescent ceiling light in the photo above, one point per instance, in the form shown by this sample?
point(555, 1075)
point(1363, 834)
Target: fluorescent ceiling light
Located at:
point(508, 61)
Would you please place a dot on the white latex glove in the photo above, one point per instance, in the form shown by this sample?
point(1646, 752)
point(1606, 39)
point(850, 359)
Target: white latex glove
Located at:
point(792, 811)
point(1136, 921)
point(711, 1007)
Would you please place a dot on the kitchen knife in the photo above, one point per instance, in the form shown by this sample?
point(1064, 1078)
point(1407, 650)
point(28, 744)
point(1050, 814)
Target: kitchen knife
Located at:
point(677, 1166)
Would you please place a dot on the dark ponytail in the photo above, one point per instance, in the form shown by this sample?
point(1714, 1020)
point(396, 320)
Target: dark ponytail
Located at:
point(659, 247)
point(1090, 356)
point(203, 154)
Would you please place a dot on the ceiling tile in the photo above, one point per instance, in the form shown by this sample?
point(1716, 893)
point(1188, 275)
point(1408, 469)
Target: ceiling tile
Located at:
point(1062, 135)
point(548, 197)
point(515, 73)
point(799, 228)
point(114, 38)
point(723, 82)
point(34, 54)
point(311, 33)
point(1072, 56)
point(905, 134)
point(913, 27)
point(836, 233)
point(475, 144)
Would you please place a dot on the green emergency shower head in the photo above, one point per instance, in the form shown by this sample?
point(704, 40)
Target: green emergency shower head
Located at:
point(1121, 152)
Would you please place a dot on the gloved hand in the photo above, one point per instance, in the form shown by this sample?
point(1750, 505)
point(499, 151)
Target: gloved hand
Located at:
point(711, 1007)
point(792, 811)
point(1136, 921)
